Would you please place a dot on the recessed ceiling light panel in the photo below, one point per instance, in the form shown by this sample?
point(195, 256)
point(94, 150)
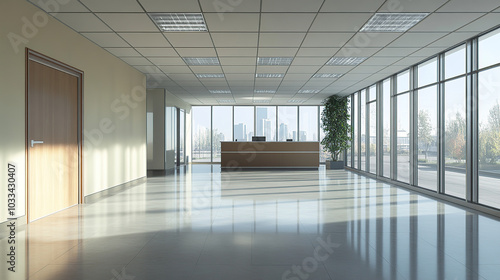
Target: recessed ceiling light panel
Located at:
point(226, 101)
point(201, 61)
point(308, 91)
point(327, 75)
point(351, 60)
point(179, 22)
point(206, 76)
point(393, 22)
point(296, 101)
point(269, 75)
point(264, 91)
point(262, 101)
point(275, 61)
point(219, 91)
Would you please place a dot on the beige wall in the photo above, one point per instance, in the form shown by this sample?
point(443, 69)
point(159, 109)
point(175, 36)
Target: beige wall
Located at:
point(113, 92)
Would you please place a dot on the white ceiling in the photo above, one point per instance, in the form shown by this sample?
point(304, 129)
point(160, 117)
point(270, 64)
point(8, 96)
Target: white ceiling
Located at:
point(311, 31)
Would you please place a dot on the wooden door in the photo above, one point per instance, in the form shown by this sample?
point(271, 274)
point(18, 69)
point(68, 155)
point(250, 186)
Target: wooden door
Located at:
point(53, 139)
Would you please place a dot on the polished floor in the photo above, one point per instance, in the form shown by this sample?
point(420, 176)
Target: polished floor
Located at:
point(204, 224)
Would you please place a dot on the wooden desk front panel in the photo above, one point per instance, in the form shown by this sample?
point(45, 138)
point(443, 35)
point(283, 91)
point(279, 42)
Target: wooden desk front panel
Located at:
point(269, 154)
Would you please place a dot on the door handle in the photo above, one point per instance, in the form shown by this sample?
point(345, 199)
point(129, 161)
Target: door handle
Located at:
point(33, 142)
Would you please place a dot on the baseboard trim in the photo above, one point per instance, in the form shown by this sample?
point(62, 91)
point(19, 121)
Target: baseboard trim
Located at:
point(113, 190)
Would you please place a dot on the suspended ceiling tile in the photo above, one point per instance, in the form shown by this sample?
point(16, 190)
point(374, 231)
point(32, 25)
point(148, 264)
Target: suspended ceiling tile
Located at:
point(335, 69)
point(223, 7)
point(351, 6)
point(484, 23)
point(470, 6)
point(427, 52)
point(178, 69)
point(106, 40)
point(315, 60)
point(371, 40)
point(416, 39)
point(231, 40)
point(453, 39)
point(333, 22)
point(304, 69)
point(149, 69)
point(127, 22)
point(112, 5)
point(277, 51)
point(317, 51)
point(378, 61)
point(206, 69)
point(271, 69)
point(286, 22)
point(123, 51)
point(445, 22)
point(157, 51)
point(319, 40)
point(145, 40)
point(136, 60)
point(68, 6)
point(239, 69)
point(196, 52)
point(411, 6)
point(232, 22)
point(167, 60)
point(291, 5)
point(281, 39)
point(398, 52)
point(238, 61)
point(189, 39)
point(82, 22)
point(237, 52)
point(357, 51)
point(369, 69)
point(162, 6)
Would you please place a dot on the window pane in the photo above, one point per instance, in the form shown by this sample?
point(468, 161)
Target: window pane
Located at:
point(403, 140)
point(489, 138)
point(363, 129)
point(373, 137)
point(454, 62)
point(488, 49)
point(403, 81)
point(287, 123)
point(201, 134)
point(308, 123)
point(355, 137)
point(372, 93)
point(427, 72)
point(243, 123)
point(349, 150)
point(221, 128)
point(455, 137)
point(427, 138)
point(323, 155)
point(386, 123)
point(266, 122)
point(182, 124)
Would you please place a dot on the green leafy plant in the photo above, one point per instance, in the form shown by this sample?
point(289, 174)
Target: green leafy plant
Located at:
point(335, 123)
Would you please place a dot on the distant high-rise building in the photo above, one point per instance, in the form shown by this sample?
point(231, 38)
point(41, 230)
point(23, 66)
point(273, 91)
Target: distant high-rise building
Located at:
point(294, 135)
point(261, 115)
point(240, 132)
point(266, 127)
point(303, 135)
point(283, 132)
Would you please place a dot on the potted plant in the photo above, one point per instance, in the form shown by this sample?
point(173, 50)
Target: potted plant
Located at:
point(335, 118)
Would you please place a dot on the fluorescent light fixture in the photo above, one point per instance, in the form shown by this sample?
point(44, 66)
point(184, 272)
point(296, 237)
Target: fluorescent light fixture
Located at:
point(309, 91)
point(262, 101)
point(179, 22)
point(264, 91)
point(295, 101)
point(393, 22)
point(226, 101)
point(204, 61)
point(269, 75)
point(327, 75)
point(219, 91)
point(275, 61)
point(206, 76)
point(351, 60)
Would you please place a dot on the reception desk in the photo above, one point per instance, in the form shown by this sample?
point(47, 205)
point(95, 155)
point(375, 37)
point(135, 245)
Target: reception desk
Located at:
point(269, 155)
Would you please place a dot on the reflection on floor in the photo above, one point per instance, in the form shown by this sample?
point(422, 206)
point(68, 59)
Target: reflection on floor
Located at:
point(203, 224)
